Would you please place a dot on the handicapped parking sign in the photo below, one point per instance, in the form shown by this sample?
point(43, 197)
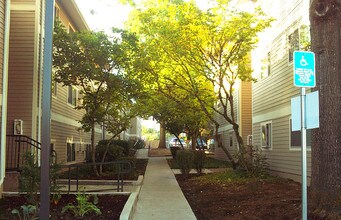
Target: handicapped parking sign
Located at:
point(304, 69)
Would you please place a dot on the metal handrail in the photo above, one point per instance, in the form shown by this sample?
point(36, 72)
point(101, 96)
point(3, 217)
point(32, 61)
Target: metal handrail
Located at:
point(124, 167)
point(17, 146)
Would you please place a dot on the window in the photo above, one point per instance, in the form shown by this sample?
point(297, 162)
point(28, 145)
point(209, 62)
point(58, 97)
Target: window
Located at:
point(266, 135)
point(293, 43)
point(70, 152)
point(72, 95)
point(53, 153)
point(295, 138)
point(53, 85)
point(231, 138)
point(265, 66)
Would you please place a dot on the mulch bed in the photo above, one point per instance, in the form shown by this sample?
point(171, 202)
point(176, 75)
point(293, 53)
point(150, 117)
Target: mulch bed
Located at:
point(277, 199)
point(111, 207)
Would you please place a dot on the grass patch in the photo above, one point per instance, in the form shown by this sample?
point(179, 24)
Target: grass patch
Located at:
point(209, 163)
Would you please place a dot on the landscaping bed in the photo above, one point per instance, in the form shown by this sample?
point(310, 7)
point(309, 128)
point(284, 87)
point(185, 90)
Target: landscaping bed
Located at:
point(211, 198)
point(87, 173)
point(111, 207)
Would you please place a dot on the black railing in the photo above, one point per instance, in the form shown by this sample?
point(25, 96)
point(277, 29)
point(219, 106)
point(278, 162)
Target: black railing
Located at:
point(17, 146)
point(119, 169)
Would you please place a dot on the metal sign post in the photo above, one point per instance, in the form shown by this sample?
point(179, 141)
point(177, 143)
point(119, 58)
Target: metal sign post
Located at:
point(46, 113)
point(304, 156)
point(304, 76)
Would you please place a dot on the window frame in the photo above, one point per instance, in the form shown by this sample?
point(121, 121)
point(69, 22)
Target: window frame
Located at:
point(270, 145)
point(70, 157)
point(72, 99)
point(296, 147)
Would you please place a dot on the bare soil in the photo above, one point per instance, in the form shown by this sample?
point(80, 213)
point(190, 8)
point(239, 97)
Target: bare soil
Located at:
point(254, 199)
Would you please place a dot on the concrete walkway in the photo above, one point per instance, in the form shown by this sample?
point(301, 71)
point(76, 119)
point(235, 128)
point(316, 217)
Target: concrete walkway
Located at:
point(161, 197)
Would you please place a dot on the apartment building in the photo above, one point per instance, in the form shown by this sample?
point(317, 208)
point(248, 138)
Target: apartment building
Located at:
point(25, 81)
point(271, 100)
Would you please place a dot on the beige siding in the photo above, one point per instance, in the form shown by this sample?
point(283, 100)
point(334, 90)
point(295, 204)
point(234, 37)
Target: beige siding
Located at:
point(21, 68)
point(281, 159)
point(246, 110)
point(63, 133)
point(272, 94)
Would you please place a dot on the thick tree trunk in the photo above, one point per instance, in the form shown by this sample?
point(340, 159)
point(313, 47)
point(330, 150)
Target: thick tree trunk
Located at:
point(162, 143)
point(325, 18)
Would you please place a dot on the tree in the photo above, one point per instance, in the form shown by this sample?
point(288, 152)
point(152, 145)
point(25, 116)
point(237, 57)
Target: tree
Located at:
point(325, 19)
point(97, 64)
point(204, 50)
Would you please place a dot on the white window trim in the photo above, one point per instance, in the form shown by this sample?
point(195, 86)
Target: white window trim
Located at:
point(271, 136)
point(295, 148)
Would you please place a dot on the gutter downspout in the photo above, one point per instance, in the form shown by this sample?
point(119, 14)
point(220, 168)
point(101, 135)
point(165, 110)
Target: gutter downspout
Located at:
point(4, 91)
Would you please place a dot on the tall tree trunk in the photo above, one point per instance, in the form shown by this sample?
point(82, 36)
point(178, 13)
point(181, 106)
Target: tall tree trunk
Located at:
point(93, 149)
point(325, 19)
point(162, 143)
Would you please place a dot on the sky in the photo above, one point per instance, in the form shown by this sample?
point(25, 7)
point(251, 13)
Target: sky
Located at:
point(102, 15)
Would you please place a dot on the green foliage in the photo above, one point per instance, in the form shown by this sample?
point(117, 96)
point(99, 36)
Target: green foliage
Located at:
point(254, 163)
point(137, 144)
point(29, 180)
point(194, 60)
point(199, 160)
point(150, 133)
point(83, 206)
point(114, 152)
point(184, 159)
point(98, 65)
point(29, 212)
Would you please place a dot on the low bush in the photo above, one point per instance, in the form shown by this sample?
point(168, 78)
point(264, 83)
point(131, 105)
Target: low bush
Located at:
point(184, 159)
point(137, 144)
point(116, 150)
point(199, 160)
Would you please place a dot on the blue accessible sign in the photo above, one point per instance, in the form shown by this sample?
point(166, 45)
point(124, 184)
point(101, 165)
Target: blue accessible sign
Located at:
point(304, 69)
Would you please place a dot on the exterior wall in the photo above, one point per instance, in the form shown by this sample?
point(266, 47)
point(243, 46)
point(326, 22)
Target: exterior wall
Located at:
point(25, 72)
point(243, 113)
point(273, 91)
point(21, 85)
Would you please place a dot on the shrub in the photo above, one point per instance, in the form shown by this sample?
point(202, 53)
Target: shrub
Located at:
point(29, 180)
point(115, 150)
point(199, 160)
point(184, 159)
point(253, 162)
point(137, 144)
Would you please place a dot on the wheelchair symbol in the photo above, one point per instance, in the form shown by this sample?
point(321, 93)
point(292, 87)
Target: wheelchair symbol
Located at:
point(303, 62)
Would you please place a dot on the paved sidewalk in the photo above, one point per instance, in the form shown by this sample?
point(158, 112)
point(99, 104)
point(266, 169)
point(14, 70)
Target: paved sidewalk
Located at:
point(161, 197)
